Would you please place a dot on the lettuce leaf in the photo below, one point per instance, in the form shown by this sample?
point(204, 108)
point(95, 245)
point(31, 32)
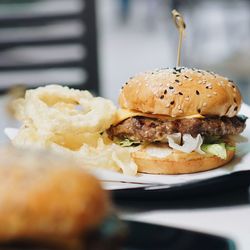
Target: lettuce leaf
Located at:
point(218, 149)
point(215, 149)
point(231, 148)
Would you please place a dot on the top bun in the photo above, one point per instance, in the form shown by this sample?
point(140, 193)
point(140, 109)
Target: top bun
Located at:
point(181, 92)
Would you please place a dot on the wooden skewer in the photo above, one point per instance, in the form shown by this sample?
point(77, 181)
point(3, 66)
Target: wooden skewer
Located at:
point(180, 24)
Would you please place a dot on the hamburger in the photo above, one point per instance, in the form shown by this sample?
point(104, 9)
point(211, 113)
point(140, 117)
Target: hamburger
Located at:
point(183, 120)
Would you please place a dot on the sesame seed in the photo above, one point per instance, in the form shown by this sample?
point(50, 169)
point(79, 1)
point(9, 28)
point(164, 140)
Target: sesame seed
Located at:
point(171, 87)
point(126, 83)
point(162, 96)
point(172, 102)
point(180, 93)
point(199, 110)
point(165, 92)
point(186, 77)
point(197, 92)
point(235, 109)
point(177, 80)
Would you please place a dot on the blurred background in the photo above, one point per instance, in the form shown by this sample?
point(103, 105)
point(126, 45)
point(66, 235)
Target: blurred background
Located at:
point(139, 35)
point(99, 44)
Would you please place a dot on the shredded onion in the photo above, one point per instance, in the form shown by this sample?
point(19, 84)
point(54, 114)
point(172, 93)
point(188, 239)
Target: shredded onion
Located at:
point(189, 143)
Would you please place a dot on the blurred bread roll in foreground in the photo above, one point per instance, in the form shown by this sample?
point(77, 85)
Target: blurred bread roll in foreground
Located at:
point(46, 197)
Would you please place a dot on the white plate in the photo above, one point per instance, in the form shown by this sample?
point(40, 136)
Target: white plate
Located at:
point(113, 180)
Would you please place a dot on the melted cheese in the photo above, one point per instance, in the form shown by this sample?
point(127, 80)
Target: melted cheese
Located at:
point(123, 114)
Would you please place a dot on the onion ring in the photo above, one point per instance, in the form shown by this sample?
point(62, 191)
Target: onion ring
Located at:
point(57, 109)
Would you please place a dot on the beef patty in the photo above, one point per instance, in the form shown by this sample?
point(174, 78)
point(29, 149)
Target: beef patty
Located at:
point(146, 129)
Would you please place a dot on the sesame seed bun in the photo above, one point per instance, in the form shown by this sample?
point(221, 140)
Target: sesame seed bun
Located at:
point(178, 162)
point(181, 92)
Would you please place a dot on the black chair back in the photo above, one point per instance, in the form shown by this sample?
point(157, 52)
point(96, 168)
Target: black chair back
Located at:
point(48, 41)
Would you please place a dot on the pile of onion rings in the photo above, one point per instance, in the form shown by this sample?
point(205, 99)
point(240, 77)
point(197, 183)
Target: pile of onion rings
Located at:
point(71, 122)
point(60, 109)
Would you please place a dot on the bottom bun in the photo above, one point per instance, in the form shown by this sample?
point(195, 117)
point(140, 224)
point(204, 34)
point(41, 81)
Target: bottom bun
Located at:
point(178, 162)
